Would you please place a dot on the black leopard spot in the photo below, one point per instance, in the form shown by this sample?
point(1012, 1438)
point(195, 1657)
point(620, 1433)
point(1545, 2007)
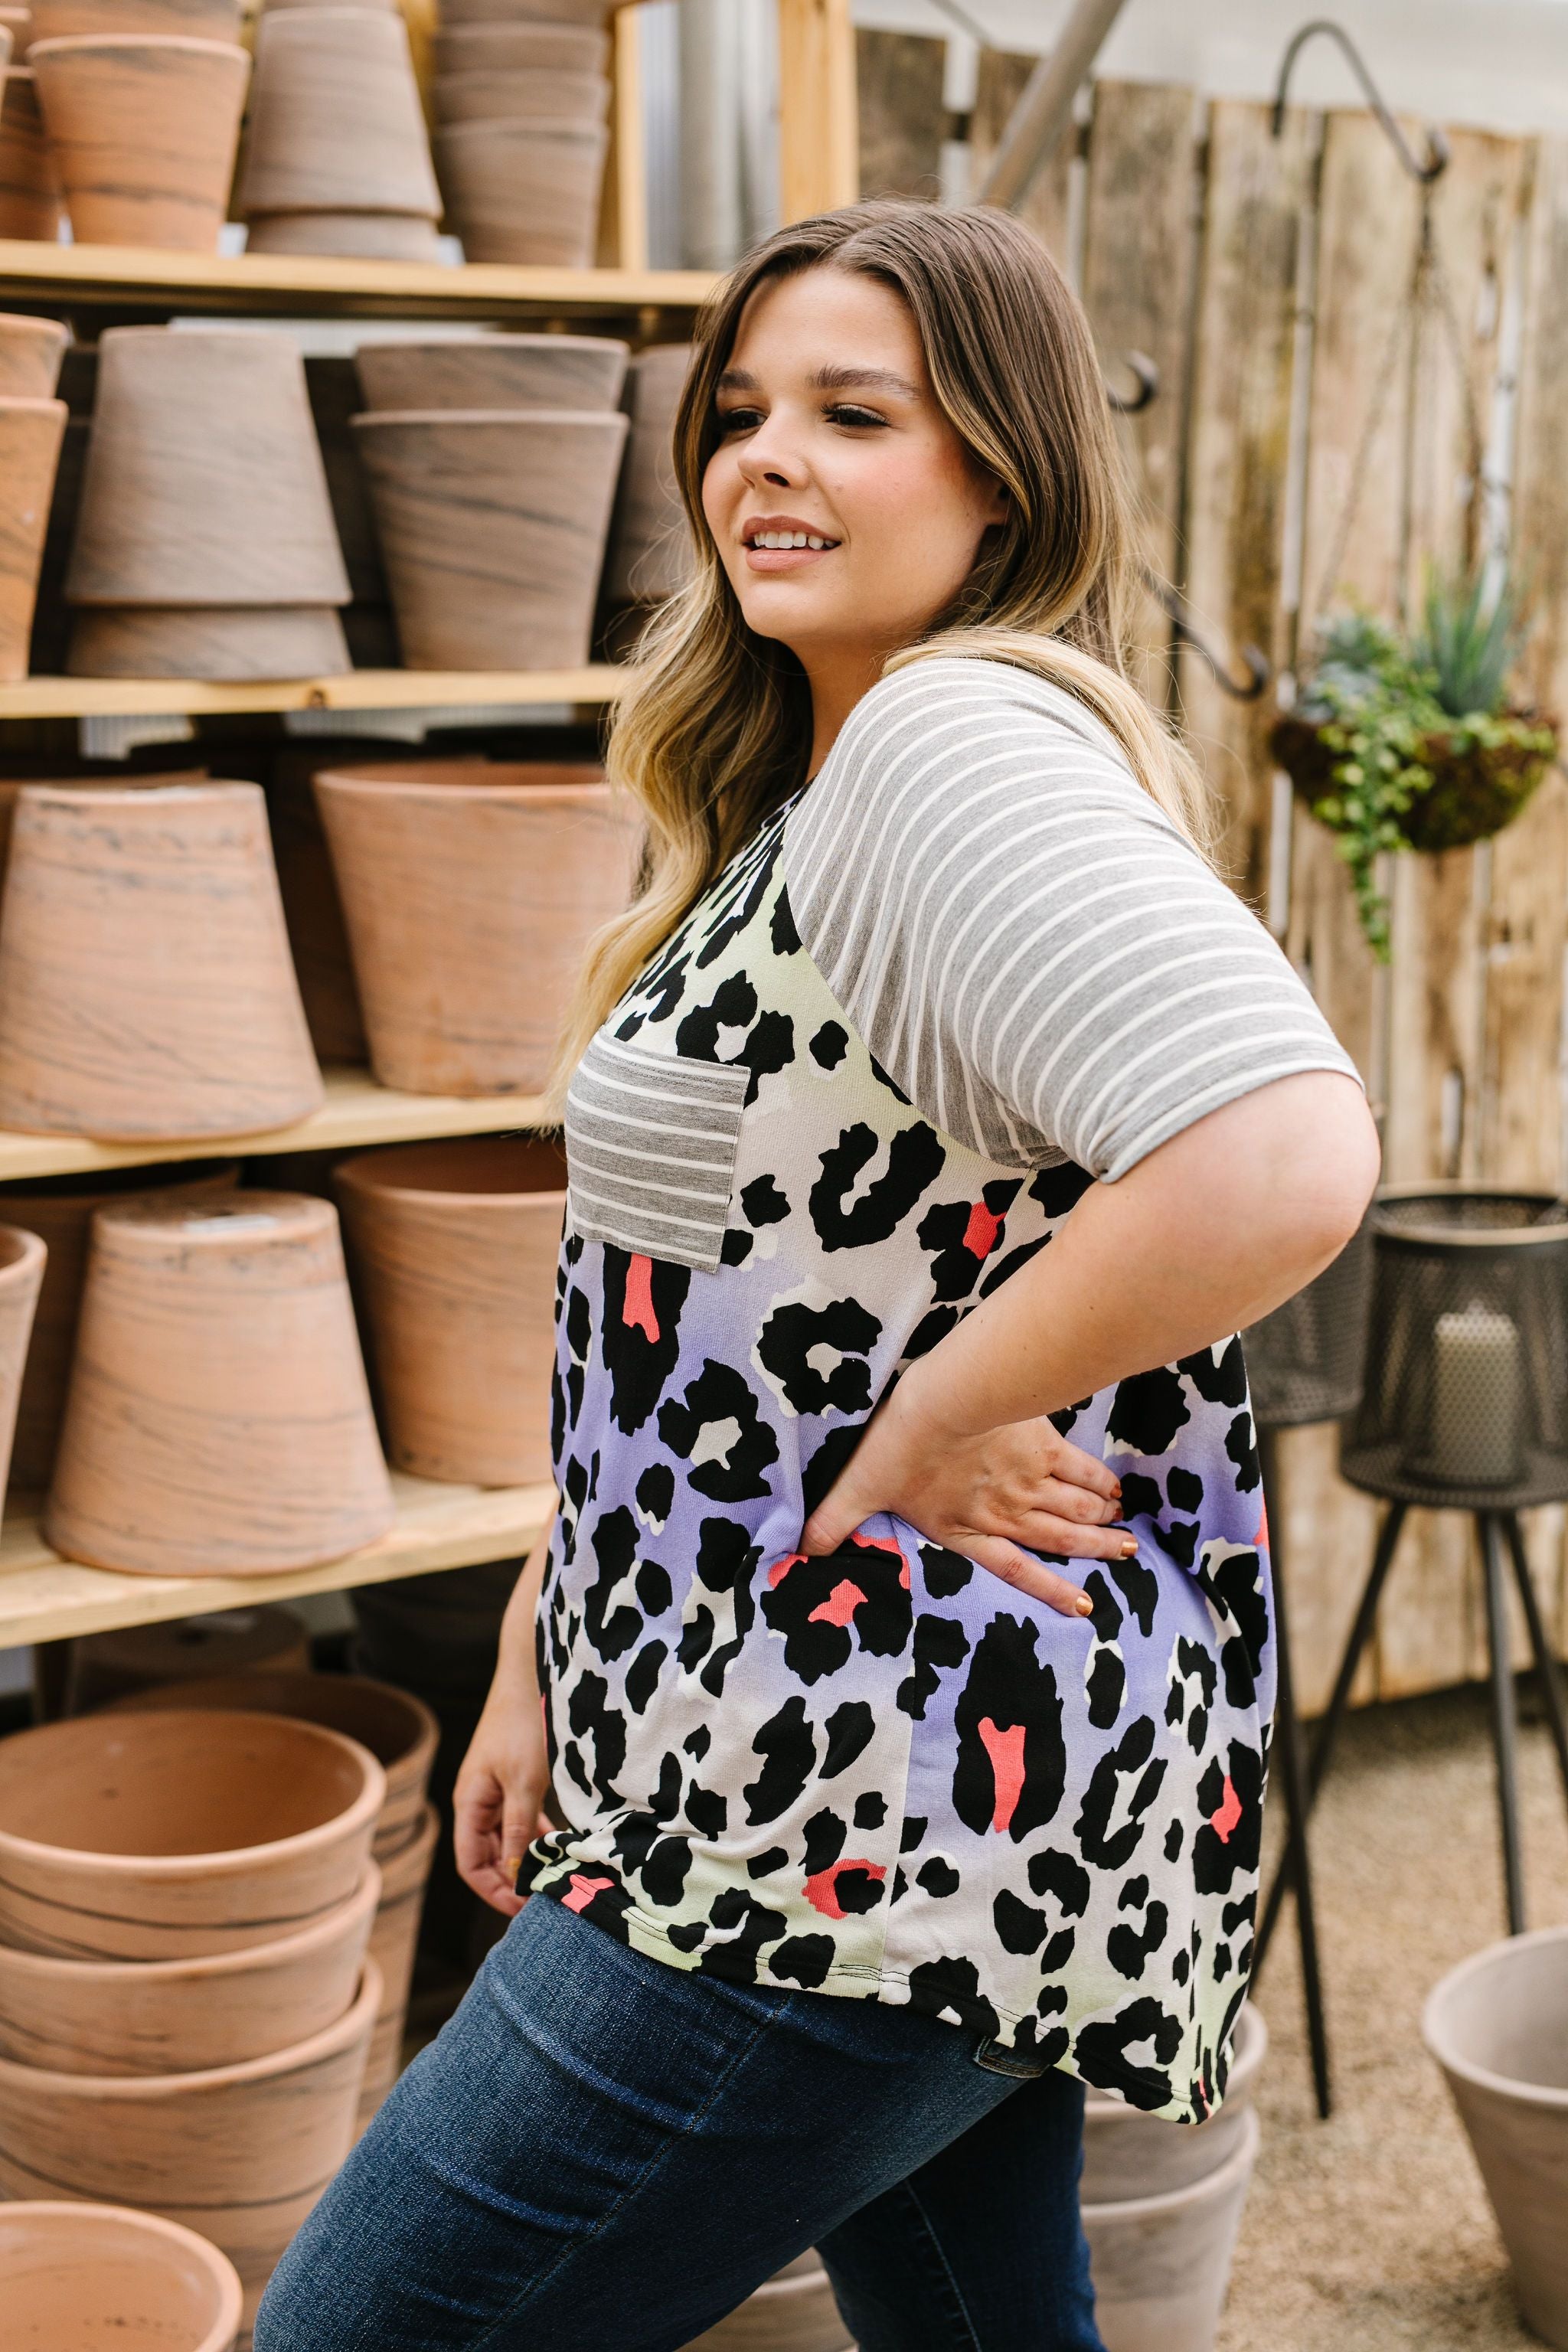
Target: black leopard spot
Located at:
point(914, 1829)
point(794, 1332)
point(829, 1044)
point(1230, 1833)
point(663, 1875)
point(1059, 1189)
point(652, 1586)
point(736, 1958)
point(782, 931)
point(1004, 1268)
point(818, 1474)
point(732, 1005)
point(1129, 1948)
point(1180, 1538)
point(640, 1340)
point(611, 1631)
point(1106, 1686)
point(1051, 1873)
point(1186, 1489)
point(735, 1249)
point(939, 1643)
point(850, 1730)
point(1140, 1587)
point(1237, 1586)
point(788, 1748)
point(803, 1960)
point(708, 1811)
point(1141, 1496)
point(696, 1638)
point(718, 1429)
point(656, 1494)
point(1224, 1382)
point(688, 1935)
point(946, 1572)
point(870, 1811)
point(591, 1716)
point(725, 1562)
point(928, 1330)
point(951, 1983)
point(761, 1866)
point(1241, 1445)
point(915, 1161)
point(1174, 1838)
point(938, 1877)
point(1123, 1777)
point(1100, 2052)
point(697, 1743)
point(762, 1202)
point(1147, 1411)
point(829, 1604)
point(962, 1235)
point(1011, 1759)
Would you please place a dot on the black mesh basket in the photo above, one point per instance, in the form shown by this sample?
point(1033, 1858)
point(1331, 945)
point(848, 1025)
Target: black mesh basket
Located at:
point(1304, 1362)
point(1465, 1405)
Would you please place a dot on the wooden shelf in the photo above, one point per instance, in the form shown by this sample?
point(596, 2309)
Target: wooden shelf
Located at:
point(44, 1597)
point(356, 690)
point(140, 278)
point(356, 1113)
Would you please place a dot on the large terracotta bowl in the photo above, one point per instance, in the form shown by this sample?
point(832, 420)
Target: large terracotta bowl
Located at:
point(92, 2278)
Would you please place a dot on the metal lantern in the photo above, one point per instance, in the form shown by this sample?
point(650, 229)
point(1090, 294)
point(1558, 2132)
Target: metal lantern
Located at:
point(1304, 1362)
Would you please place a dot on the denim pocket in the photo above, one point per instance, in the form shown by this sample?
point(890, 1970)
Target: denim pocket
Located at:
point(1023, 2065)
point(651, 1141)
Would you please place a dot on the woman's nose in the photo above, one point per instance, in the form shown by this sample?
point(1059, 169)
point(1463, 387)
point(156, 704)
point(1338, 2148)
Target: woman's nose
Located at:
point(766, 459)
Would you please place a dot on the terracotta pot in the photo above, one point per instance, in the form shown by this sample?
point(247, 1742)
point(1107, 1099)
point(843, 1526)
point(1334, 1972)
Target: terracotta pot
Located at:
point(588, 14)
point(205, 484)
point(85, 2275)
point(524, 191)
point(495, 372)
point(22, 1258)
point(19, 23)
point(161, 1664)
point(60, 1213)
point(1128, 2154)
point(398, 1728)
point(470, 893)
point(392, 1940)
point(483, 97)
point(313, 910)
point(244, 2150)
point(144, 131)
point(492, 528)
point(650, 551)
point(200, 20)
point(30, 200)
point(215, 641)
point(178, 1835)
point(30, 434)
point(145, 986)
point(31, 350)
point(794, 2312)
point(1498, 2026)
point(180, 2016)
point(1162, 2265)
point(365, 236)
point(454, 1248)
point(336, 125)
point(252, 1447)
point(521, 48)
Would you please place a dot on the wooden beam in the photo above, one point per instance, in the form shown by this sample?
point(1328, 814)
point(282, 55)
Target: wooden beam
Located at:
point(354, 689)
point(819, 163)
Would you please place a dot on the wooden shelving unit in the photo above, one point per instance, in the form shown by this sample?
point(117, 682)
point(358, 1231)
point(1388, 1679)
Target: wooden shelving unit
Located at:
point(356, 690)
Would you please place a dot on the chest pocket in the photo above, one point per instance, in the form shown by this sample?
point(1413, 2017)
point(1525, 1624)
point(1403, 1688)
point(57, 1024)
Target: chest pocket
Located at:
point(651, 1141)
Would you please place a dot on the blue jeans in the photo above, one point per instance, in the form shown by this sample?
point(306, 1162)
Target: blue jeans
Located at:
point(602, 2153)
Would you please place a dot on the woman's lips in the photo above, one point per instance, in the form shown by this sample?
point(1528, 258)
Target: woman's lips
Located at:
point(786, 558)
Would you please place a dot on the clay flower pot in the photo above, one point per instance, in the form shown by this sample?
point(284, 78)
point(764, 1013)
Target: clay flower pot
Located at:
point(19, 23)
point(91, 2274)
point(199, 20)
point(336, 125)
point(1162, 2265)
point(470, 892)
point(649, 554)
point(526, 190)
point(362, 236)
point(21, 1273)
point(590, 14)
point(60, 1213)
point(162, 1664)
point(497, 97)
point(392, 1940)
point(1128, 2154)
point(313, 910)
point(30, 201)
point(145, 985)
point(398, 1728)
point(495, 372)
point(215, 641)
point(251, 1447)
point(205, 484)
point(145, 131)
point(492, 528)
point(1498, 2026)
point(179, 1835)
point(791, 2312)
point(454, 1248)
point(180, 2016)
point(31, 350)
point(521, 48)
point(31, 432)
point(243, 2151)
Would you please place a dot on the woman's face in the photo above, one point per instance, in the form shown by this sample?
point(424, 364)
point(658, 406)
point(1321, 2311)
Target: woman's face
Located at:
point(833, 443)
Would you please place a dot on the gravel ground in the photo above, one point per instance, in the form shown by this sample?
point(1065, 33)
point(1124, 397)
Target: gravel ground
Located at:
point(1372, 2233)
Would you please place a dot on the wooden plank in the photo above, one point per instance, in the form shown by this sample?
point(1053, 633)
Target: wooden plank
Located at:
point(44, 1597)
point(623, 211)
point(900, 115)
point(1237, 456)
point(1327, 1532)
point(1047, 206)
point(1137, 275)
point(357, 689)
point(356, 1113)
point(819, 163)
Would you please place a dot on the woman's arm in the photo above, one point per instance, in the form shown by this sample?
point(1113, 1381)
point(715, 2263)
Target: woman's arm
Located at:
point(1212, 1230)
point(498, 1799)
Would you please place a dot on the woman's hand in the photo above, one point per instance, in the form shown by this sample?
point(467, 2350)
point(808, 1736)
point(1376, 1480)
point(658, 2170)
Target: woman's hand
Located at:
point(498, 1802)
point(984, 1495)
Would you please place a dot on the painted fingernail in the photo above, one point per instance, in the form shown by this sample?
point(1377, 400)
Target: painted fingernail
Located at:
point(1128, 1549)
point(510, 1868)
point(1084, 1605)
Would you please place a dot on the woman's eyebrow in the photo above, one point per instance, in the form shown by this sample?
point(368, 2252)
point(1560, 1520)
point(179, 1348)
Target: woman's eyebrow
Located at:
point(827, 379)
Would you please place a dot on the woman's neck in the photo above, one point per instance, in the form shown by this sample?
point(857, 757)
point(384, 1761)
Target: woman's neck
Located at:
point(837, 682)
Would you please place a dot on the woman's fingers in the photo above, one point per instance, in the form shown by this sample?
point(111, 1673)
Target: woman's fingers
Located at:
point(1067, 1501)
point(1047, 1531)
point(492, 1827)
point(1080, 1469)
point(1026, 1575)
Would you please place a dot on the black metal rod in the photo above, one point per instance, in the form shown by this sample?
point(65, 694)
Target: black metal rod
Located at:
point(1504, 1730)
point(1546, 1666)
point(1438, 150)
point(1287, 1739)
point(1259, 669)
point(1328, 1725)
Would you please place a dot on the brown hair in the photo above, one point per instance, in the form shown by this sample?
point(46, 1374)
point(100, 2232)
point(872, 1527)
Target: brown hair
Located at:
point(716, 729)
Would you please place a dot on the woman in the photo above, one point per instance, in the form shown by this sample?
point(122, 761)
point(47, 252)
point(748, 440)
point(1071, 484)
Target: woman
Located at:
point(935, 1117)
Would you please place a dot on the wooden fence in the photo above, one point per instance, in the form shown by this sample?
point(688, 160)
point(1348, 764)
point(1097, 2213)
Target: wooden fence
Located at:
point(1266, 278)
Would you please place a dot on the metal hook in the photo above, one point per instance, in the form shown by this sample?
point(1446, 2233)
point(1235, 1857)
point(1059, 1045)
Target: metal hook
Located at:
point(1438, 150)
point(1145, 375)
point(1259, 669)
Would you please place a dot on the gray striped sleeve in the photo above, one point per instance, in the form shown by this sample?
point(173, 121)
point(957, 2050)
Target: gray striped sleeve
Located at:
point(1022, 939)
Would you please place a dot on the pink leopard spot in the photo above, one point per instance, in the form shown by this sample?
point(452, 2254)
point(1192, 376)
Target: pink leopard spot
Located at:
point(781, 1568)
point(886, 1543)
point(637, 1311)
point(980, 1233)
point(840, 1605)
point(1261, 1538)
point(584, 1891)
point(1225, 1820)
point(822, 1888)
point(1005, 1749)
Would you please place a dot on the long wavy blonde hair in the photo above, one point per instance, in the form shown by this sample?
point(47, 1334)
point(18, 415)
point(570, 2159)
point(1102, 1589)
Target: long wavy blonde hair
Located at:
point(716, 729)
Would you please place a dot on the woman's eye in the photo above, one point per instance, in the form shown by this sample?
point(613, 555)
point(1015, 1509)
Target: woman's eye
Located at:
point(846, 413)
point(739, 420)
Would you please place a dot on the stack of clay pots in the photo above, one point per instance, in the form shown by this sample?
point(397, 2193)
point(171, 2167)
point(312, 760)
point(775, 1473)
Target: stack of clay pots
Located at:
point(84, 2275)
point(29, 183)
point(141, 101)
point(470, 891)
point(32, 428)
point(186, 2004)
point(521, 100)
point(140, 1662)
point(22, 1256)
point(206, 546)
point(1162, 2206)
point(337, 158)
point(492, 467)
point(651, 552)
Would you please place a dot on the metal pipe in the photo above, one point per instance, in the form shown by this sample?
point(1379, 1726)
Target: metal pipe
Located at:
point(1044, 108)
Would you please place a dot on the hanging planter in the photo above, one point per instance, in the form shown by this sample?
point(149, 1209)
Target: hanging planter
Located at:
point(1413, 743)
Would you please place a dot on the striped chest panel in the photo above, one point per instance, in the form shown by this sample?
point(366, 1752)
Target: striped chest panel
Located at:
point(651, 1147)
